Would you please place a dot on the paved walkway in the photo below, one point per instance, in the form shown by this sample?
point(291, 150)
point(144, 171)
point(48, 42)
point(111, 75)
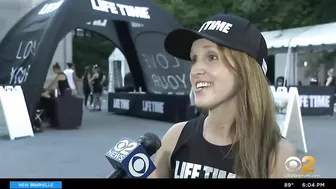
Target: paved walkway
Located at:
point(80, 153)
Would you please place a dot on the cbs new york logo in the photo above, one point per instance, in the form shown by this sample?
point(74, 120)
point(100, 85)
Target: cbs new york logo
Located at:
point(300, 168)
point(139, 163)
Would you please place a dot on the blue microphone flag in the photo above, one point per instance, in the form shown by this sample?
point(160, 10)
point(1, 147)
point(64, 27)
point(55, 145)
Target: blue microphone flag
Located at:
point(131, 157)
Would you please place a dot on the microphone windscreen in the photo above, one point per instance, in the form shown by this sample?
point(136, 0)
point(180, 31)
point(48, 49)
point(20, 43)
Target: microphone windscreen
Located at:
point(150, 142)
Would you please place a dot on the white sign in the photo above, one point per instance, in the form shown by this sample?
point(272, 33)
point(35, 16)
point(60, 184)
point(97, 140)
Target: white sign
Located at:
point(289, 116)
point(117, 8)
point(15, 113)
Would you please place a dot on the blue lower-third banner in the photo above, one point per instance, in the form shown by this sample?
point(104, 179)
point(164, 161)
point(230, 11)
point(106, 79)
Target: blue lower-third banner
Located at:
point(35, 185)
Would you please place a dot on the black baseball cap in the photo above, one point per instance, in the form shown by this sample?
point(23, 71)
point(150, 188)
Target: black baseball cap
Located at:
point(224, 29)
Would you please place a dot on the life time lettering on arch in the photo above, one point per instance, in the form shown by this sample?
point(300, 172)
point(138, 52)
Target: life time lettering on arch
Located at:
point(116, 8)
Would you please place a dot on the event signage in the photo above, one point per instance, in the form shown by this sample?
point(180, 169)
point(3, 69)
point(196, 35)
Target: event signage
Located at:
point(117, 8)
point(170, 108)
point(12, 104)
point(289, 116)
point(50, 7)
point(315, 100)
point(165, 74)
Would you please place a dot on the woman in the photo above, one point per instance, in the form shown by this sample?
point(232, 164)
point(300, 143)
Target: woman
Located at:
point(239, 137)
point(87, 87)
point(60, 82)
point(97, 81)
point(331, 80)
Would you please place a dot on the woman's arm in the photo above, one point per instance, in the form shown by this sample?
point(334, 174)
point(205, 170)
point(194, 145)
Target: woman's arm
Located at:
point(103, 79)
point(329, 80)
point(89, 81)
point(53, 84)
point(94, 76)
point(163, 155)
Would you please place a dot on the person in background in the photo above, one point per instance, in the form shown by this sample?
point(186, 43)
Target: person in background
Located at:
point(72, 77)
point(331, 80)
point(314, 80)
point(60, 82)
point(87, 86)
point(97, 81)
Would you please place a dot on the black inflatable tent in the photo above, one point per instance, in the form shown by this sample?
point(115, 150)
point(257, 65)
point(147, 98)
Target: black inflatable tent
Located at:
point(137, 27)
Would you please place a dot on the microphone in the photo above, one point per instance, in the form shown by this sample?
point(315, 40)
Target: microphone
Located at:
point(131, 158)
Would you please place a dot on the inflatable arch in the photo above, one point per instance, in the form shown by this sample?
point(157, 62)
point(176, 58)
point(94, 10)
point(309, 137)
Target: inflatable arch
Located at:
point(138, 29)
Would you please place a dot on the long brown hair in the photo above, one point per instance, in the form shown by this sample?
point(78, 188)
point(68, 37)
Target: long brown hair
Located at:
point(256, 133)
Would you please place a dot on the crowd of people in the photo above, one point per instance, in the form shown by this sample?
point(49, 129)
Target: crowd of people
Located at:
point(66, 83)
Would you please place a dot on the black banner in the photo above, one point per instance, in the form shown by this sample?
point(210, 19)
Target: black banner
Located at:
point(316, 100)
point(164, 73)
point(170, 108)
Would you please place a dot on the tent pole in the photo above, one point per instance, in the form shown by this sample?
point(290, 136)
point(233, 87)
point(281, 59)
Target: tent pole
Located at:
point(287, 65)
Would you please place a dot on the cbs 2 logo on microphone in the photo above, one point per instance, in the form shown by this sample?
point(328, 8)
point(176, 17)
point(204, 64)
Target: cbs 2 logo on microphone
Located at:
point(136, 161)
point(294, 164)
point(124, 147)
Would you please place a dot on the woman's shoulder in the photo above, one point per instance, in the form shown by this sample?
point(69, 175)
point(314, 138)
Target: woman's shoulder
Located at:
point(61, 75)
point(172, 135)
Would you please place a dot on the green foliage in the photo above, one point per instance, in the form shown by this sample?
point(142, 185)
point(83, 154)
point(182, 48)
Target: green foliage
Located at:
point(267, 14)
point(89, 51)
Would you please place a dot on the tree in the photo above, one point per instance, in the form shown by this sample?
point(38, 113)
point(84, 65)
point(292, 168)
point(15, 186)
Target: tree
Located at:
point(88, 51)
point(267, 14)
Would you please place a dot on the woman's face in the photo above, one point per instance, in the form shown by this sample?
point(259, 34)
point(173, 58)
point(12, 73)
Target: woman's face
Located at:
point(331, 72)
point(56, 71)
point(210, 77)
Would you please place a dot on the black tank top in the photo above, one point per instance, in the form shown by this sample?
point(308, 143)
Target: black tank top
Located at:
point(195, 157)
point(97, 81)
point(63, 84)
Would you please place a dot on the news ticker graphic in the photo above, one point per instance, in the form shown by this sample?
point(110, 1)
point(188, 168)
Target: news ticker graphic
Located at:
point(35, 185)
point(153, 183)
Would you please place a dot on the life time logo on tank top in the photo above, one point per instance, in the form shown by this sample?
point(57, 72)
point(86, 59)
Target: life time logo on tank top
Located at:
point(187, 170)
point(116, 8)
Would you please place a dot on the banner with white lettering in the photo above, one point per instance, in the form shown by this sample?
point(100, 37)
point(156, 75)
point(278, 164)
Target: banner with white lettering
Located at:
point(316, 100)
point(164, 73)
point(16, 57)
point(171, 108)
point(27, 50)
